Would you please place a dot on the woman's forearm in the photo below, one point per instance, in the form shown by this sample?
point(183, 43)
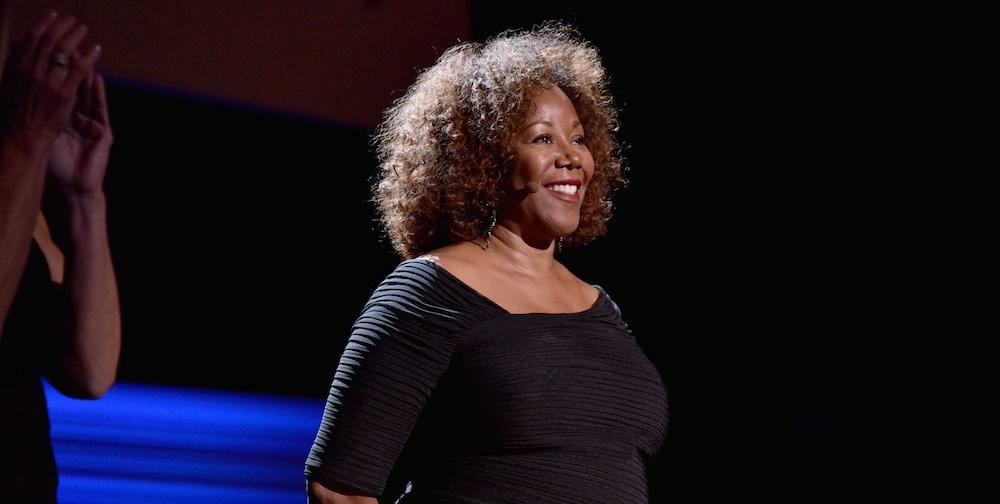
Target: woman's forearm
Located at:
point(22, 178)
point(91, 340)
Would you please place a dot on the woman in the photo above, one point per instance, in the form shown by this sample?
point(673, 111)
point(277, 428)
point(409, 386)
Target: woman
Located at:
point(505, 377)
point(59, 314)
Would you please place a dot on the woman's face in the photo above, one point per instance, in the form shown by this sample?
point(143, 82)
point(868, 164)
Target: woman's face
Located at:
point(552, 169)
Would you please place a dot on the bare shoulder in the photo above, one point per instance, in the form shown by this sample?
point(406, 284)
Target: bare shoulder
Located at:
point(564, 292)
point(585, 289)
point(458, 259)
point(466, 262)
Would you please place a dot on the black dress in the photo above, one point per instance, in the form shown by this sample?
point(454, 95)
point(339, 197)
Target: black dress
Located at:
point(27, 466)
point(491, 407)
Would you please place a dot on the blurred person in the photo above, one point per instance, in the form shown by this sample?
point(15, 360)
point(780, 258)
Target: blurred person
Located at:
point(59, 311)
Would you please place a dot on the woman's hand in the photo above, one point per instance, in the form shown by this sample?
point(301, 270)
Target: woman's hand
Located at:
point(319, 494)
point(42, 77)
point(79, 156)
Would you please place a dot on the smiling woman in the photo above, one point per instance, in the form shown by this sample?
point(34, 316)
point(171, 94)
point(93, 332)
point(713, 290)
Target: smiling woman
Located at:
point(482, 369)
point(551, 154)
point(448, 147)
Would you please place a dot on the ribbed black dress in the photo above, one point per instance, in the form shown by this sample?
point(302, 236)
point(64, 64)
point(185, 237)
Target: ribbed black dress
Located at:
point(492, 407)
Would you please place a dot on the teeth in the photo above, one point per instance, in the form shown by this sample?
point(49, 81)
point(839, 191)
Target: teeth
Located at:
point(564, 188)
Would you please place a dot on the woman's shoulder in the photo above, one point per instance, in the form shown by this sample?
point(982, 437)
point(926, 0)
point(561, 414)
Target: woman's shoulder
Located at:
point(417, 277)
point(421, 284)
point(454, 264)
point(587, 287)
point(435, 267)
point(456, 255)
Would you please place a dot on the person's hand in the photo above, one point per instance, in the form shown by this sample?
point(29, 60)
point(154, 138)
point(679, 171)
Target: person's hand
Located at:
point(79, 156)
point(42, 77)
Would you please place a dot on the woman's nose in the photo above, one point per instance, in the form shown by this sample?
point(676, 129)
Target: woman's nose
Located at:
point(569, 157)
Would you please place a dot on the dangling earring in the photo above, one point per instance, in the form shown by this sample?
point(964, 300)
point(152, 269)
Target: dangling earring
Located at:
point(489, 229)
point(559, 244)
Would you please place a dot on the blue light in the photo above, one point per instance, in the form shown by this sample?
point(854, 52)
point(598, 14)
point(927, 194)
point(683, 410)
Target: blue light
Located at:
point(147, 443)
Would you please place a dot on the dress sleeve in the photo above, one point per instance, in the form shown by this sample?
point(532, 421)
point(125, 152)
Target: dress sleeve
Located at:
point(399, 348)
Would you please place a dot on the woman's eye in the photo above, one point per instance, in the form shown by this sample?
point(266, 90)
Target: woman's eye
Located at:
point(580, 140)
point(543, 139)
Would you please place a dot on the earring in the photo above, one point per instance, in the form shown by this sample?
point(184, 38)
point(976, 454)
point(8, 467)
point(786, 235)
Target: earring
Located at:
point(489, 229)
point(559, 244)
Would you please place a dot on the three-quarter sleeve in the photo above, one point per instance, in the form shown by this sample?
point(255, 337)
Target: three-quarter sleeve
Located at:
point(399, 348)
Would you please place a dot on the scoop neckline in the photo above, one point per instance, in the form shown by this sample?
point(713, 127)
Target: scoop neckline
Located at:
point(597, 302)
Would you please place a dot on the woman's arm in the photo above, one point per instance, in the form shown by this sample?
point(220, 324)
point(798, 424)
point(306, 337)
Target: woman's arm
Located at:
point(88, 338)
point(36, 99)
point(22, 176)
point(319, 494)
point(400, 347)
point(89, 343)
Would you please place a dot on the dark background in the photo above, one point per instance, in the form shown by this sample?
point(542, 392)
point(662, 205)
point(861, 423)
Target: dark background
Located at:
point(245, 245)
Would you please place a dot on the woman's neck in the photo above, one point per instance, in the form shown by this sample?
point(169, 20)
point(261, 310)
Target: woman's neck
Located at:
point(510, 249)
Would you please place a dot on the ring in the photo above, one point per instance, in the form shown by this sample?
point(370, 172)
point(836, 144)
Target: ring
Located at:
point(58, 59)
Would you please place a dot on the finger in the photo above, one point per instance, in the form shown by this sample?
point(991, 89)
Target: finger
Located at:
point(84, 102)
point(66, 48)
point(68, 44)
point(87, 126)
point(101, 100)
point(31, 39)
point(80, 67)
point(53, 34)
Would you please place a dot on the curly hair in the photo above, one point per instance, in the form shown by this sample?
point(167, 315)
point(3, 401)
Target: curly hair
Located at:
point(445, 148)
